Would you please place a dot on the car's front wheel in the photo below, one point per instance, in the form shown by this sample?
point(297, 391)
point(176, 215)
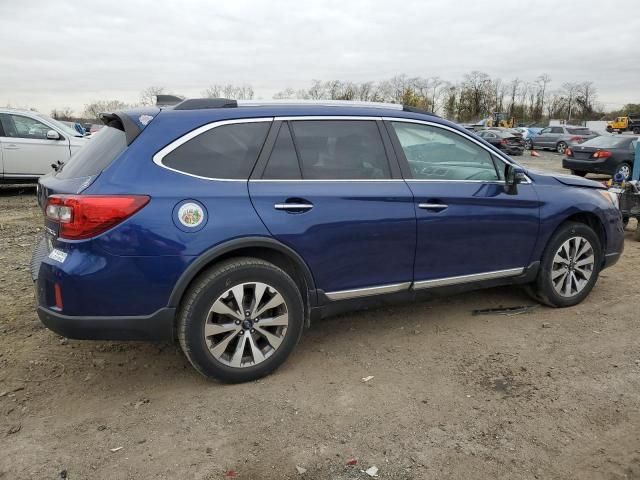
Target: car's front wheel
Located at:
point(570, 266)
point(528, 144)
point(240, 320)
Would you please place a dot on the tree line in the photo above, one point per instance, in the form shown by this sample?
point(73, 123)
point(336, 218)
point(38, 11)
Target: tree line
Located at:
point(476, 96)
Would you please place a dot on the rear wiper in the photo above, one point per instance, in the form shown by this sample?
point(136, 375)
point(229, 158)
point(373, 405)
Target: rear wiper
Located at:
point(57, 166)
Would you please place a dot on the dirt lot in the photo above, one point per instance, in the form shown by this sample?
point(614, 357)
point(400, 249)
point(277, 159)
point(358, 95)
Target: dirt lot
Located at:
point(545, 394)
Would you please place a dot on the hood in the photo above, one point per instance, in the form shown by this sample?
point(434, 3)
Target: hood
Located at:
point(571, 180)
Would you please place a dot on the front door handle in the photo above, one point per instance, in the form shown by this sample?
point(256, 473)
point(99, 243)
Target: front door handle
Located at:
point(11, 146)
point(435, 207)
point(294, 207)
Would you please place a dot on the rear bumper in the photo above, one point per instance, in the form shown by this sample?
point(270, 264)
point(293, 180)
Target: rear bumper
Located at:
point(589, 166)
point(157, 326)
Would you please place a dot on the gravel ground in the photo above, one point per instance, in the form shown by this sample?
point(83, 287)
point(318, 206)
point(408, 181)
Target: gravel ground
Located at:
point(545, 394)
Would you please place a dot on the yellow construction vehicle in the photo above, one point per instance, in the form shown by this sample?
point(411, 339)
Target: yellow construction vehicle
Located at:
point(498, 119)
point(624, 124)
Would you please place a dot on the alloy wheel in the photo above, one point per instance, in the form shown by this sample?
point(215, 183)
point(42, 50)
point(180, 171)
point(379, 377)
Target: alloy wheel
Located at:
point(561, 147)
point(625, 170)
point(572, 266)
point(246, 324)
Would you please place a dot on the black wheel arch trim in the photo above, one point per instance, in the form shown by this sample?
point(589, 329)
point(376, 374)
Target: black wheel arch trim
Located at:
point(218, 251)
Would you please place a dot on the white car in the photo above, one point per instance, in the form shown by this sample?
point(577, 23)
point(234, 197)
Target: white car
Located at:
point(31, 142)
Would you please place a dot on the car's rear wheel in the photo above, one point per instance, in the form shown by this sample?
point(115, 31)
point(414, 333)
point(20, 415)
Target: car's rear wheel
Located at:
point(625, 169)
point(561, 147)
point(528, 144)
point(578, 173)
point(240, 320)
point(636, 131)
point(570, 266)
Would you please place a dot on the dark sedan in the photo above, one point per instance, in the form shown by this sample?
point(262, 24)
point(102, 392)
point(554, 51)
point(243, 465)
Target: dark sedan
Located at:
point(606, 154)
point(504, 140)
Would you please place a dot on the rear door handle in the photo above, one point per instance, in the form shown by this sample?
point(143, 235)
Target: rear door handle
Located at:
point(436, 207)
point(294, 207)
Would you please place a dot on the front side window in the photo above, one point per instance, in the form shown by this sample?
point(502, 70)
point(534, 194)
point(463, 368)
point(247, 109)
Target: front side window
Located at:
point(19, 126)
point(437, 154)
point(340, 149)
point(227, 151)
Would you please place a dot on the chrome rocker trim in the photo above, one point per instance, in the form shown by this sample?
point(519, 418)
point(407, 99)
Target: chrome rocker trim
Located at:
point(422, 284)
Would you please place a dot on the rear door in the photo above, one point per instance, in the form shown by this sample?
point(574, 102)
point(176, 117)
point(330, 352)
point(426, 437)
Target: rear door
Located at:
point(331, 189)
point(26, 150)
point(468, 227)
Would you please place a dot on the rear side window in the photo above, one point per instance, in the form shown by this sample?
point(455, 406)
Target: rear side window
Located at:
point(579, 131)
point(98, 153)
point(556, 130)
point(227, 151)
point(340, 150)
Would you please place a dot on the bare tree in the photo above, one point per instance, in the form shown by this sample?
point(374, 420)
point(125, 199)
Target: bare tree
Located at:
point(62, 114)
point(93, 110)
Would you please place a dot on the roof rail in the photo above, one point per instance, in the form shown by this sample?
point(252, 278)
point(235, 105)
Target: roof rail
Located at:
point(320, 103)
point(206, 103)
point(167, 100)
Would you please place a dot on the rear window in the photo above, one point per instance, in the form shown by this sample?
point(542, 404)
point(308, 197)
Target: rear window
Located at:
point(607, 142)
point(98, 153)
point(579, 131)
point(227, 151)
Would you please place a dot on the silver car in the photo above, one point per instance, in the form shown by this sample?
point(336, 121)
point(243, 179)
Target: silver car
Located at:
point(559, 137)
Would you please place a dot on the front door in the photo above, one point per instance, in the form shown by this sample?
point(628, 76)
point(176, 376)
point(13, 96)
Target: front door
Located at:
point(328, 190)
point(468, 227)
point(27, 151)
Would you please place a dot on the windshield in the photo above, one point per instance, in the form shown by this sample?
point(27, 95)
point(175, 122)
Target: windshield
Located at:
point(607, 142)
point(61, 126)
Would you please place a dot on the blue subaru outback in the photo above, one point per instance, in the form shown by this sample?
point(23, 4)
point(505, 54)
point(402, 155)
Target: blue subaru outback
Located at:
point(229, 226)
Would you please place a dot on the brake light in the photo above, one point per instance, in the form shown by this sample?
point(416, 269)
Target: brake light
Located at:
point(576, 139)
point(568, 152)
point(85, 216)
point(602, 154)
point(504, 141)
point(58, 295)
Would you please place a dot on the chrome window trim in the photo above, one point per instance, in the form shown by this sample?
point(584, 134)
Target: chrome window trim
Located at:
point(368, 291)
point(460, 279)
point(159, 156)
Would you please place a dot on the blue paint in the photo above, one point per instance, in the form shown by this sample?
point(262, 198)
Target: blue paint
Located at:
point(358, 234)
point(635, 175)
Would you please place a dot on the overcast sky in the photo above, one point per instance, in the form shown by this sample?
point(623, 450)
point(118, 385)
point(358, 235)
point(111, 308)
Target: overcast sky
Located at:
point(69, 53)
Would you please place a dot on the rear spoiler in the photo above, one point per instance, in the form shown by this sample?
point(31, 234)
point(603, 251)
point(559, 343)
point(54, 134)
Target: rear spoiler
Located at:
point(131, 122)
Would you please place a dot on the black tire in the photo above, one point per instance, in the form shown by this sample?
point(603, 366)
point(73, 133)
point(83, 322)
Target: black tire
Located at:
point(578, 173)
point(561, 147)
point(542, 289)
point(636, 131)
point(626, 166)
point(528, 144)
point(207, 288)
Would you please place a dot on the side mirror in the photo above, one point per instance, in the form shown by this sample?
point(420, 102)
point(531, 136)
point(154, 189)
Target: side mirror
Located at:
point(513, 175)
point(53, 135)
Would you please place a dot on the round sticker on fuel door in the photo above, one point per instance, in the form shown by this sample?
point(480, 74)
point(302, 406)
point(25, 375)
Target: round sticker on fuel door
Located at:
point(189, 215)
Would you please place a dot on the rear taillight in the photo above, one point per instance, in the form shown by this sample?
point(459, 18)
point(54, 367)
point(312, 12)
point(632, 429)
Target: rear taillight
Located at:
point(576, 139)
point(602, 154)
point(568, 152)
point(504, 141)
point(85, 216)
